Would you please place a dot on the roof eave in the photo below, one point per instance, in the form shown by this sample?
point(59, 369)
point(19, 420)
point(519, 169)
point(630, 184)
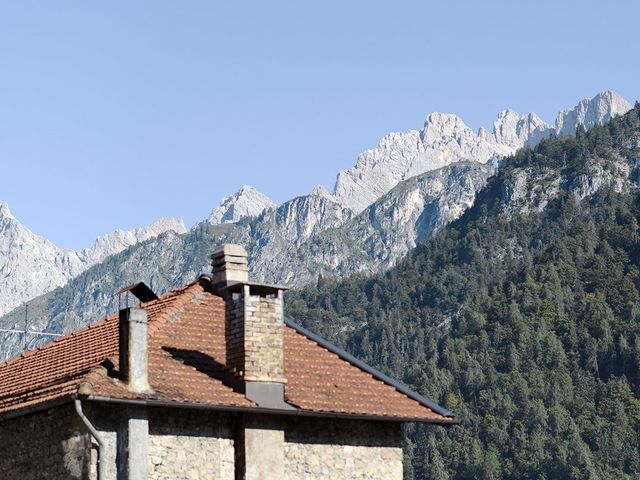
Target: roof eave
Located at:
point(20, 412)
point(150, 402)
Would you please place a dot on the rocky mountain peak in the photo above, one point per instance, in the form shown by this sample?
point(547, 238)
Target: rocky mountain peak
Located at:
point(443, 140)
point(32, 265)
point(246, 202)
point(5, 212)
point(118, 240)
point(591, 111)
point(513, 129)
point(439, 126)
point(320, 191)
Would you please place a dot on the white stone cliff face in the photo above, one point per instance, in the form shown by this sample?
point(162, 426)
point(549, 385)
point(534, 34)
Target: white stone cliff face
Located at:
point(588, 112)
point(445, 139)
point(31, 265)
point(301, 218)
point(513, 130)
point(591, 111)
point(246, 202)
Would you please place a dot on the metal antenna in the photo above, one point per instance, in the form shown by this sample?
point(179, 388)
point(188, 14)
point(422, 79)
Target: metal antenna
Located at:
point(26, 321)
point(26, 331)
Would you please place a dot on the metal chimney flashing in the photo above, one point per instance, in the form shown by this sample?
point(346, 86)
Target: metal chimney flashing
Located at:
point(254, 288)
point(267, 395)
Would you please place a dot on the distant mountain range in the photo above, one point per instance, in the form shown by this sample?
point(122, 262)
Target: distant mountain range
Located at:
point(31, 265)
point(395, 196)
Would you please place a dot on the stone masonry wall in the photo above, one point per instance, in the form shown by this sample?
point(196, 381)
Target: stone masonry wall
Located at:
point(50, 444)
point(194, 445)
point(342, 450)
point(183, 444)
point(255, 336)
point(190, 445)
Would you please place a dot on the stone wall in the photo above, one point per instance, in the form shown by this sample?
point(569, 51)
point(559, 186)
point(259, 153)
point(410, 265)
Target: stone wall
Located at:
point(322, 449)
point(183, 444)
point(50, 444)
point(196, 444)
point(190, 445)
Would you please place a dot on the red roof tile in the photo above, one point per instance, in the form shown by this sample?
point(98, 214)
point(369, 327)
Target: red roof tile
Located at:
point(187, 364)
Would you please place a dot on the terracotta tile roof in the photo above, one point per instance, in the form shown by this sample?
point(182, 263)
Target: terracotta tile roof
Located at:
point(187, 365)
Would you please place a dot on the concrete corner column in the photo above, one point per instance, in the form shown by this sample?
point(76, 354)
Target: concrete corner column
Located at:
point(133, 445)
point(259, 449)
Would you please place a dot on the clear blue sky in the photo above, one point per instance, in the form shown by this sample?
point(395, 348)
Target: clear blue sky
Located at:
point(115, 113)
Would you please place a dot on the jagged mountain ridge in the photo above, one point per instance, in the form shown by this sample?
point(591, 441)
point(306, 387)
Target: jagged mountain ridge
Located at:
point(279, 251)
point(445, 139)
point(32, 265)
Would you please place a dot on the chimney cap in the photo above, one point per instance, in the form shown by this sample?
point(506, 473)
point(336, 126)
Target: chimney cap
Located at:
point(230, 250)
point(141, 291)
point(230, 265)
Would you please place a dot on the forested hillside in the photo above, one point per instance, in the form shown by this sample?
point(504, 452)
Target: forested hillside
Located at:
point(522, 317)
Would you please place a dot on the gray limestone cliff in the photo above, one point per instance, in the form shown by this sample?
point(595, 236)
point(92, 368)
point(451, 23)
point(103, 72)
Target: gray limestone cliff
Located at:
point(31, 265)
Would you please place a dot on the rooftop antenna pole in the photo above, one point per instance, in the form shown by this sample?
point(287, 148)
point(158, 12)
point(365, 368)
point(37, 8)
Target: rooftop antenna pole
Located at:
point(26, 320)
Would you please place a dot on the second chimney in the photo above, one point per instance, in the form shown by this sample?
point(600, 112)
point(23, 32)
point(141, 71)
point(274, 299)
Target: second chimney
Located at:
point(254, 327)
point(133, 347)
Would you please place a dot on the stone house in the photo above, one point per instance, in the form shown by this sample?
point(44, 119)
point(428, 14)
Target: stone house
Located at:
point(208, 381)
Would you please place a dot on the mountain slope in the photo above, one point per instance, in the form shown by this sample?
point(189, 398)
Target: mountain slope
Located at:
point(521, 317)
point(376, 238)
point(328, 242)
point(31, 265)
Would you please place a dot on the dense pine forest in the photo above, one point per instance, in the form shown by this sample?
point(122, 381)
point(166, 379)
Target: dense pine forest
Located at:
point(523, 318)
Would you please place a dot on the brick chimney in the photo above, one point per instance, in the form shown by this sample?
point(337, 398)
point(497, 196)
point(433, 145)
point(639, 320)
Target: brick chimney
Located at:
point(254, 328)
point(133, 349)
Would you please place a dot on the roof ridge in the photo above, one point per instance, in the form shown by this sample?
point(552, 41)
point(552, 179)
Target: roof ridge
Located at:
point(45, 346)
point(178, 307)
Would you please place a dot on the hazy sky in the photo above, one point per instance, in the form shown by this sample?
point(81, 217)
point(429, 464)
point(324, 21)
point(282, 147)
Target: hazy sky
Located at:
point(115, 113)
